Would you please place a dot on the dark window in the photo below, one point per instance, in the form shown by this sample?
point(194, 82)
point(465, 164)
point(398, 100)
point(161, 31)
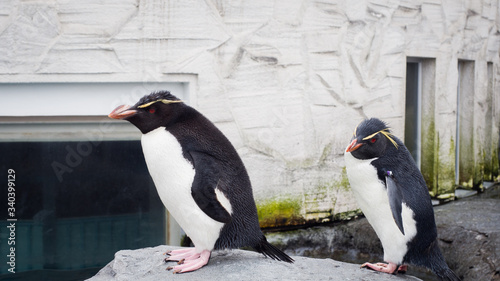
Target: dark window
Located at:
point(77, 203)
point(412, 110)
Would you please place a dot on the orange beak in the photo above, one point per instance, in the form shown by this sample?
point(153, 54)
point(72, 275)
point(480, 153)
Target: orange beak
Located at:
point(122, 112)
point(353, 146)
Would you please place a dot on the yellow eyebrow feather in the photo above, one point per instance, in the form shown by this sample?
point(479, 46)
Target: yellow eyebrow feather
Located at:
point(162, 100)
point(386, 134)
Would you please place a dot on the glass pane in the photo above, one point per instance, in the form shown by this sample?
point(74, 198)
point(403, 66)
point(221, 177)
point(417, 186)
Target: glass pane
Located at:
point(412, 109)
point(76, 204)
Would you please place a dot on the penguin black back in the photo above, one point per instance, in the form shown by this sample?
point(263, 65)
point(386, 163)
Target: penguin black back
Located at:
point(196, 133)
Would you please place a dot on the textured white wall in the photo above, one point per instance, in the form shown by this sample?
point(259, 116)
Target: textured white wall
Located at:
point(286, 80)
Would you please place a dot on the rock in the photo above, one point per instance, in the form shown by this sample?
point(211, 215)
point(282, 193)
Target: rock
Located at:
point(469, 237)
point(147, 264)
point(468, 233)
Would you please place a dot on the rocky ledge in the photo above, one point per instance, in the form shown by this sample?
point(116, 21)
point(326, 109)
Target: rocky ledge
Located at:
point(147, 265)
point(468, 234)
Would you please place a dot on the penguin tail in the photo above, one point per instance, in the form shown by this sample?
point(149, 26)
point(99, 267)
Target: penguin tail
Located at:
point(271, 251)
point(438, 265)
point(447, 274)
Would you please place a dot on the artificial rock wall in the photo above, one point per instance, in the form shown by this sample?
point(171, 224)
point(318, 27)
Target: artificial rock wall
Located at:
point(286, 81)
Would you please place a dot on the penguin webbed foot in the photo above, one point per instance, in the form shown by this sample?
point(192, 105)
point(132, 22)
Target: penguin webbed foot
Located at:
point(187, 259)
point(177, 255)
point(390, 268)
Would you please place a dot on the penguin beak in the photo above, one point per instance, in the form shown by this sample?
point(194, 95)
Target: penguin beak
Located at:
point(121, 112)
point(353, 146)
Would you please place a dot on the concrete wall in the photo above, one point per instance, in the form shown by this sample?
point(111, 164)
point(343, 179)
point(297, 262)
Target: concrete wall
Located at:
point(286, 80)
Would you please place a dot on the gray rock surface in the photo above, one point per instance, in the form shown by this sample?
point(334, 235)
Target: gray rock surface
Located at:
point(468, 232)
point(147, 265)
point(469, 237)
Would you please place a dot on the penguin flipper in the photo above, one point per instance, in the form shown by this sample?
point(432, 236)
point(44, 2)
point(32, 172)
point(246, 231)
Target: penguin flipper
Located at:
point(204, 184)
point(395, 200)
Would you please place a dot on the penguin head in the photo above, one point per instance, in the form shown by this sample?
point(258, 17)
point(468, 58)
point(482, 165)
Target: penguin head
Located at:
point(151, 111)
point(371, 138)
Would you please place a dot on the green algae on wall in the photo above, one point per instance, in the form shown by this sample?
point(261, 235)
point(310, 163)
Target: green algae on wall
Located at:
point(466, 159)
point(429, 155)
point(487, 170)
point(438, 170)
point(479, 167)
point(279, 212)
point(317, 205)
point(322, 203)
point(495, 176)
point(344, 180)
point(344, 216)
point(319, 202)
point(446, 172)
point(491, 166)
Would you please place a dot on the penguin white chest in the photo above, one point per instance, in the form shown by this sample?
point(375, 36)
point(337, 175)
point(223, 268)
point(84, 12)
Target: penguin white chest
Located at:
point(173, 176)
point(372, 198)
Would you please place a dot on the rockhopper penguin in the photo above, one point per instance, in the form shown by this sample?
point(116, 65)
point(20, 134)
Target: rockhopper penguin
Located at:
point(392, 194)
point(200, 179)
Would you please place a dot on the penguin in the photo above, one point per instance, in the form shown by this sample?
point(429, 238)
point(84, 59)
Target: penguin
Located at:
point(392, 194)
point(200, 179)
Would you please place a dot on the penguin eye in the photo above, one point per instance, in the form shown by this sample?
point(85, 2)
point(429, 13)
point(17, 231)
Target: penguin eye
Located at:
point(373, 140)
point(152, 110)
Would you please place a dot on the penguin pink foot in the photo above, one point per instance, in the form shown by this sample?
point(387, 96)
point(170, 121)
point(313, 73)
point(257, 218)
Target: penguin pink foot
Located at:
point(387, 268)
point(178, 255)
point(189, 260)
point(382, 267)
